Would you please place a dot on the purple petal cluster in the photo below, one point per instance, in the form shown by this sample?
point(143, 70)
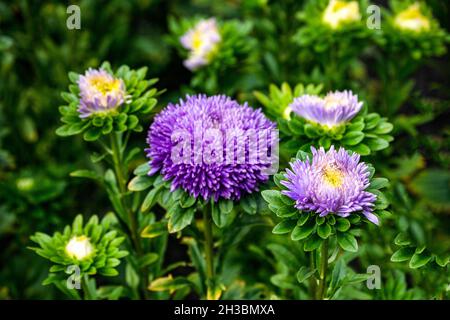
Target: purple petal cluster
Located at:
point(334, 109)
point(196, 117)
point(331, 182)
point(100, 92)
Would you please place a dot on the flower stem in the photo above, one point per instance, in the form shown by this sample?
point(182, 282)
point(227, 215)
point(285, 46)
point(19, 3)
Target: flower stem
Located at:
point(321, 290)
point(209, 258)
point(86, 291)
point(312, 280)
point(122, 181)
point(119, 166)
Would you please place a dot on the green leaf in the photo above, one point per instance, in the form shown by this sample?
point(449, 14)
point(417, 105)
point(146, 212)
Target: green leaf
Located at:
point(109, 272)
point(303, 218)
point(383, 128)
point(131, 276)
point(311, 131)
point(221, 218)
point(285, 226)
point(338, 274)
point(402, 254)
point(379, 183)
point(342, 224)
point(402, 239)
point(150, 199)
point(77, 225)
point(148, 259)
point(271, 196)
point(92, 134)
point(442, 261)
point(169, 284)
point(353, 138)
point(142, 170)
point(312, 243)
point(154, 230)
point(71, 129)
point(180, 219)
point(73, 77)
point(140, 183)
point(347, 242)
point(376, 144)
point(187, 201)
point(225, 206)
point(302, 232)
point(419, 260)
point(86, 174)
point(304, 273)
point(286, 212)
point(361, 149)
point(324, 230)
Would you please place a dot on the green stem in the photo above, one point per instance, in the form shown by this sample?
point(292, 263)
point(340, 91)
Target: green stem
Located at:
point(119, 168)
point(122, 181)
point(86, 291)
point(321, 291)
point(209, 258)
point(312, 280)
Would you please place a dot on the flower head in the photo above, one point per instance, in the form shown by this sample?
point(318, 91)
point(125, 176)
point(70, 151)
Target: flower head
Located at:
point(93, 247)
point(100, 92)
point(412, 19)
point(79, 247)
point(333, 110)
point(331, 182)
point(202, 42)
point(340, 12)
point(197, 145)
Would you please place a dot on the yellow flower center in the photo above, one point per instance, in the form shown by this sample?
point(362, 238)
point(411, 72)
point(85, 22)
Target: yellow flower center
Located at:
point(197, 40)
point(333, 176)
point(79, 247)
point(105, 85)
point(412, 19)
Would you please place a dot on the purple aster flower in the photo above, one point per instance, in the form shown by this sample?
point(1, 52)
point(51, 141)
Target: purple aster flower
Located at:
point(100, 92)
point(331, 182)
point(333, 110)
point(212, 146)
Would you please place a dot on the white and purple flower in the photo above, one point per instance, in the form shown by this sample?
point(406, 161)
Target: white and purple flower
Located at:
point(335, 109)
point(332, 182)
point(100, 92)
point(202, 42)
